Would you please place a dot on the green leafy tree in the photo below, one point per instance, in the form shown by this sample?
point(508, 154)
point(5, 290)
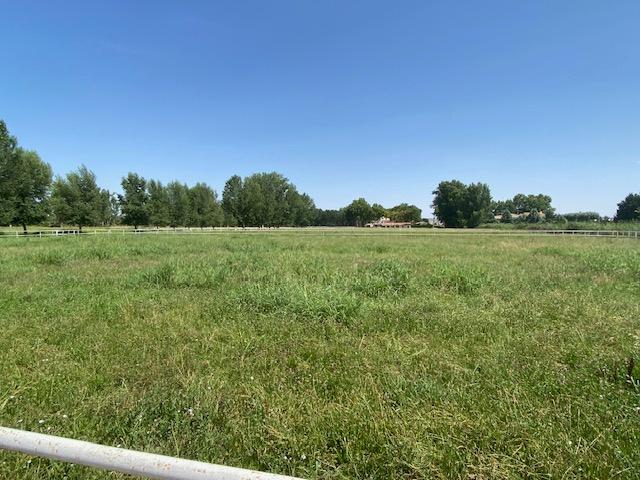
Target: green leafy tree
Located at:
point(458, 205)
point(205, 211)
point(158, 204)
point(31, 183)
point(629, 208)
point(76, 199)
point(522, 203)
point(477, 207)
point(405, 213)
point(534, 216)
point(264, 200)
point(329, 218)
point(301, 209)
point(179, 204)
point(582, 217)
point(108, 208)
point(379, 211)
point(525, 204)
point(501, 206)
point(449, 203)
point(358, 213)
point(134, 200)
point(507, 217)
point(25, 182)
point(231, 201)
point(8, 145)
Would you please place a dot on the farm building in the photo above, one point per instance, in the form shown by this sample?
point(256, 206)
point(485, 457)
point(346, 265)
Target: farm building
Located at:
point(384, 222)
point(515, 216)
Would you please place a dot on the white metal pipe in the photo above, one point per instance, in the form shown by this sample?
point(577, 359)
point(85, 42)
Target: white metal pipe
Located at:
point(141, 464)
point(361, 233)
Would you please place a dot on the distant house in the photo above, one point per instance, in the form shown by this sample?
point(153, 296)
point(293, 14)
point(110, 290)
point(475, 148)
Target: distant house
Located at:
point(515, 216)
point(384, 222)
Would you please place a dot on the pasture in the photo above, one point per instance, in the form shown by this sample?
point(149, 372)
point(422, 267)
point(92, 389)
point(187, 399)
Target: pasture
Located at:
point(387, 356)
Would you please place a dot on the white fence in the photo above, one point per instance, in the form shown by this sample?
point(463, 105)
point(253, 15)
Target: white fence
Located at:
point(140, 464)
point(319, 231)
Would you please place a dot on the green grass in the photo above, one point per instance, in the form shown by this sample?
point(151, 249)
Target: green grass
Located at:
point(327, 357)
point(606, 226)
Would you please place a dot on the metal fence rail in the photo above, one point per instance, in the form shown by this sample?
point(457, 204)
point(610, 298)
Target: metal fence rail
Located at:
point(140, 464)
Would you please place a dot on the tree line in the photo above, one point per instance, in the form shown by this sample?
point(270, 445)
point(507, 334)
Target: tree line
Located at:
point(466, 206)
point(29, 195)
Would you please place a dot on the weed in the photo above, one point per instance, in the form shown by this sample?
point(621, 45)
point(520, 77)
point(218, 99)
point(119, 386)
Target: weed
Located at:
point(327, 357)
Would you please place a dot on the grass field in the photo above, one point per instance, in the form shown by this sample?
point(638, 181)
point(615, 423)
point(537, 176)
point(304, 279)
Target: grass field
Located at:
point(328, 357)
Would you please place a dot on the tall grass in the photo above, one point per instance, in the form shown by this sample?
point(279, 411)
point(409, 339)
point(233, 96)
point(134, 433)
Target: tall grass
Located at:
point(600, 226)
point(328, 357)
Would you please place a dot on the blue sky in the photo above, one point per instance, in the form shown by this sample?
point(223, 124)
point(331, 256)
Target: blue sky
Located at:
point(346, 98)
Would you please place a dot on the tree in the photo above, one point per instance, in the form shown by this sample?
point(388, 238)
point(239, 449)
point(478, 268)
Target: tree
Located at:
point(358, 213)
point(520, 203)
point(263, 200)
point(205, 210)
point(134, 201)
point(527, 203)
point(534, 217)
point(179, 204)
point(61, 202)
point(25, 182)
point(301, 209)
point(231, 201)
point(449, 203)
point(108, 208)
point(405, 213)
point(582, 217)
point(477, 205)
point(158, 204)
point(253, 210)
point(329, 218)
point(458, 205)
point(76, 198)
point(266, 199)
point(379, 211)
point(501, 206)
point(31, 183)
point(628, 209)
point(8, 145)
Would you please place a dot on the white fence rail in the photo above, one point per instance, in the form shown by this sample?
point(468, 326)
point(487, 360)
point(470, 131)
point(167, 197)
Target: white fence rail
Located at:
point(140, 464)
point(311, 231)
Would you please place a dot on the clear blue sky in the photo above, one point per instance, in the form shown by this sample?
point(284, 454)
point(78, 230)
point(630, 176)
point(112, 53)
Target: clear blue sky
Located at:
point(346, 98)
